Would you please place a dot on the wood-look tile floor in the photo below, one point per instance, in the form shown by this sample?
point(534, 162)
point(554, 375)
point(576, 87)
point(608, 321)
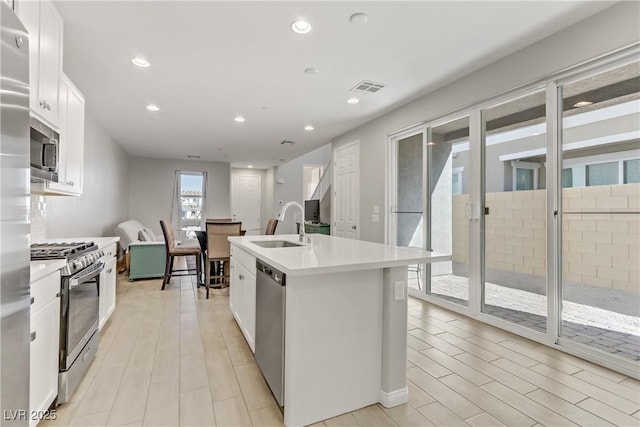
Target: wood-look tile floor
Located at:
point(170, 358)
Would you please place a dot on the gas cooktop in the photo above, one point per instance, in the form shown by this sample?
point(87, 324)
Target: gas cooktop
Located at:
point(56, 250)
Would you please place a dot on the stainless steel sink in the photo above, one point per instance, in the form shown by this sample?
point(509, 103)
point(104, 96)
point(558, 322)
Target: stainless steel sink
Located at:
point(275, 244)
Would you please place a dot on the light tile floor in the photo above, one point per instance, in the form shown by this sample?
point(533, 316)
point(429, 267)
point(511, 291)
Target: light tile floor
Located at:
point(173, 358)
point(606, 330)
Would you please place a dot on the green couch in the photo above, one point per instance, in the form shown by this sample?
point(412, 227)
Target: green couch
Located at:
point(144, 252)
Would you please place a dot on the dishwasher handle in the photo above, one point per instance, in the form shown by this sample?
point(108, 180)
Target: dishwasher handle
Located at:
point(273, 273)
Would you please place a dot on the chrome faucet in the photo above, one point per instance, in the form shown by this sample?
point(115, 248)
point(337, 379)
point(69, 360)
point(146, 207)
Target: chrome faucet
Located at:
point(302, 237)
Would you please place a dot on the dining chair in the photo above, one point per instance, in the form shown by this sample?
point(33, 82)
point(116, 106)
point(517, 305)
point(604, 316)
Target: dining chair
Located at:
point(173, 250)
point(272, 224)
point(219, 250)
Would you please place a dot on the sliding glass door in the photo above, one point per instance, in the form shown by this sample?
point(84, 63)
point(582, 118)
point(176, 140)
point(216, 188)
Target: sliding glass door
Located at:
point(448, 175)
point(600, 286)
point(536, 197)
point(514, 211)
point(407, 212)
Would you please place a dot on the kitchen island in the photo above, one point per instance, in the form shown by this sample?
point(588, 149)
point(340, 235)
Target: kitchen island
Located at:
point(345, 319)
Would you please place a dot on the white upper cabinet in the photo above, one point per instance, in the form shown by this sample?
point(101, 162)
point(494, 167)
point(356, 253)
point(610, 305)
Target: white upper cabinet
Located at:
point(71, 149)
point(45, 28)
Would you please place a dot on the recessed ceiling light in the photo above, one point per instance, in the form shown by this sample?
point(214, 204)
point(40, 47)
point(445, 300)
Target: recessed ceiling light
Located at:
point(300, 27)
point(311, 71)
point(582, 103)
point(359, 18)
point(239, 119)
point(140, 62)
point(250, 166)
point(153, 107)
point(353, 100)
point(308, 127)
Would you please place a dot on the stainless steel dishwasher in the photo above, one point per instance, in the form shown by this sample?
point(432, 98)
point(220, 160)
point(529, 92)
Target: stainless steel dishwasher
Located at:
point(270, 305)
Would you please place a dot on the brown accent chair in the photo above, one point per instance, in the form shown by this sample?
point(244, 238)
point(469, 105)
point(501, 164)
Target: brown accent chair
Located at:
point(219, 250)
point(272, 224)
point(173, 250)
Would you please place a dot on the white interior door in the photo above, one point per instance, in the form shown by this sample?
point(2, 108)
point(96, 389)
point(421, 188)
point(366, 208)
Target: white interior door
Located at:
point(245, 201)
point(346, 193)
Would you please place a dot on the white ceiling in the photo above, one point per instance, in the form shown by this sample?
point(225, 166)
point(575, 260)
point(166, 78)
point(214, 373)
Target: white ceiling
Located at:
point(211, 61)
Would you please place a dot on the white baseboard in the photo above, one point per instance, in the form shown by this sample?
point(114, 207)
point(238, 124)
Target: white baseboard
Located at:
point(394, 398)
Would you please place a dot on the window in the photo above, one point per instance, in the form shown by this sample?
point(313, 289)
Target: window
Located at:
point(525, 175)
point(189, 202)
point(602, 174)
point(456, 180)
point(524, 179)
point(567, 178)
point(632, 171)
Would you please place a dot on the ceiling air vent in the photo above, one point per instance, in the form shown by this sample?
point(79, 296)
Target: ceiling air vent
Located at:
point(285, 142)
point(367, 86)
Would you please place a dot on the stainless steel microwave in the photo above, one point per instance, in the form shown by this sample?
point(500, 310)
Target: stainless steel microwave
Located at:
point(44, 152)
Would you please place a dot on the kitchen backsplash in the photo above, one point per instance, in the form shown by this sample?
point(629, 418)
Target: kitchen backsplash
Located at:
point(38, 216)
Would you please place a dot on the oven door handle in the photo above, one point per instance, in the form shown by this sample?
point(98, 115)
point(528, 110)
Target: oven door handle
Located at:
point(77, 281)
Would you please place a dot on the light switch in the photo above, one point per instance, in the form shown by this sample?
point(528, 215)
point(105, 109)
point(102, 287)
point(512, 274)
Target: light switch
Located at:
point(376, 210)
point(375, 218)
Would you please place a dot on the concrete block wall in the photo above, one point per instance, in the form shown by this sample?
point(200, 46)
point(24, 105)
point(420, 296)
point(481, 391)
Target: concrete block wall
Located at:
point(597, 249)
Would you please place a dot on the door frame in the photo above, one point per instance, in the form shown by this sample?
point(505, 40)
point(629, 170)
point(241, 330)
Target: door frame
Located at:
point(334, 199)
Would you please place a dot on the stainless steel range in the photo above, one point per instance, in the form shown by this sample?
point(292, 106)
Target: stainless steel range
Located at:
point(79, 305)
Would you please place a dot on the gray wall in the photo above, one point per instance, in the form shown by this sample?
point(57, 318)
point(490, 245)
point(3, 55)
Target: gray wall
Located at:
point(104, 201)
point(152, 182)
point(291, 190)
point(609, 30)
point(266, 191)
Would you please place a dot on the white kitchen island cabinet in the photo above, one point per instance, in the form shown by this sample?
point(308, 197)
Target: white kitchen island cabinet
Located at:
point(345, 327)
point(242, 294)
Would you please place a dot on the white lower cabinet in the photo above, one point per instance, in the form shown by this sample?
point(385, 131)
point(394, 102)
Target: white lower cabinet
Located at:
point(108, 285)
point(242, 294)
point(45, 335)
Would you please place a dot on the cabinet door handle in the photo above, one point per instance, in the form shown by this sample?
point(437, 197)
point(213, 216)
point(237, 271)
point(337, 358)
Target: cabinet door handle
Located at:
point(42, 104)
point(109, 271)
point(241, 277)
point(33, 336)
point(33, 299)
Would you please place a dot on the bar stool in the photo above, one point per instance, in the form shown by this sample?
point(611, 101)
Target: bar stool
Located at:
point(173, 250)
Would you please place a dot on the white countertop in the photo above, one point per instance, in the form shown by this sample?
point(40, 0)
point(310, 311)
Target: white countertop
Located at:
point(330, 254)
point(102, 242)
point(42, 268)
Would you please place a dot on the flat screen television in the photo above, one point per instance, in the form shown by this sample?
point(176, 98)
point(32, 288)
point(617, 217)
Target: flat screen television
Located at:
point(312, 210)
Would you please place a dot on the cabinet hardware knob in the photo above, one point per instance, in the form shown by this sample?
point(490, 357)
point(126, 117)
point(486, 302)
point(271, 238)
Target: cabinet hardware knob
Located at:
point(42, 104)
point(33, 336)
point(241, 277)
point(354, 227)
point(33, 299)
